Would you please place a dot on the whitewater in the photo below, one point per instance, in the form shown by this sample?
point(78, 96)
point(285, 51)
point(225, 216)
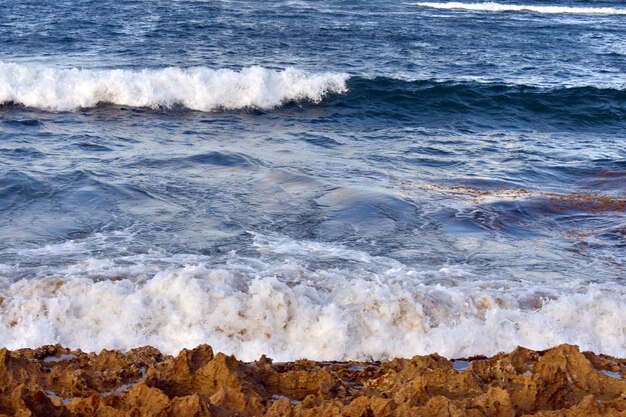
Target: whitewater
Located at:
point(246, 306)
point(498, 7)
point(195, 88)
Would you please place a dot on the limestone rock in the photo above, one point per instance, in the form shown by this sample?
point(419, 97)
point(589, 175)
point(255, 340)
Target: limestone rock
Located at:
point(55, 381)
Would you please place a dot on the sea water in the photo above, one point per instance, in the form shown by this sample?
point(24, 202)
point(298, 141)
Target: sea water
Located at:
point(325, 179)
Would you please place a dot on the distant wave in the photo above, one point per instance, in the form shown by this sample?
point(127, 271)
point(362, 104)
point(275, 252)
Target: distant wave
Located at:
point(197, 88)
point(497, 7)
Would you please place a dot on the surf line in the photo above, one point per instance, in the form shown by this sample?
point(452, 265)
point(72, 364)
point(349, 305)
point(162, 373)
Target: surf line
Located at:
point(497, 7)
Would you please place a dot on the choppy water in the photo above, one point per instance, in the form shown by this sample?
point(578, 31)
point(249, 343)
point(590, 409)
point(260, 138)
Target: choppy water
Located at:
point(332, 179)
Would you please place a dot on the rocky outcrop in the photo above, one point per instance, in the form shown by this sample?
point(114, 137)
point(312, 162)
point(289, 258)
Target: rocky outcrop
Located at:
point(54, 381)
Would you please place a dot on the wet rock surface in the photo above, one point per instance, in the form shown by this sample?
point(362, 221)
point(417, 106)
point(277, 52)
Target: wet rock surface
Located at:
point(562, 381)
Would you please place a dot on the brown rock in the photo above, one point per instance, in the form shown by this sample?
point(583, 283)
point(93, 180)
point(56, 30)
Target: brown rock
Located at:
point(440, 406)
point(496, 402)
point(589, 406)
point(53, 381)
point(564, 376)
point(280, 408)
point(189, 405)
point(148, 401)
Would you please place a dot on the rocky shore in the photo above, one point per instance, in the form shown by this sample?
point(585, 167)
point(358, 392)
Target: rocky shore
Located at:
point(55, 381)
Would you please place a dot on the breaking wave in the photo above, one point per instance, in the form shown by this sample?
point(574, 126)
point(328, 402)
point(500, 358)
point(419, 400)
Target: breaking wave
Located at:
point(197, 88)
point(204, 89)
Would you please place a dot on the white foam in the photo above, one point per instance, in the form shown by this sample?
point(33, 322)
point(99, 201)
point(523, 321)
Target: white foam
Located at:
point(497, 7)
point(281, 306)
point(196, 88)
point(282, 245)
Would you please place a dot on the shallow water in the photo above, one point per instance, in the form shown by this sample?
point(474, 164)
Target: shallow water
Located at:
point(337, 180)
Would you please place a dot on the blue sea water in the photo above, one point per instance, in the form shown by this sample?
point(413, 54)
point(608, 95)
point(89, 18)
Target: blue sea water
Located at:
point(329, 179)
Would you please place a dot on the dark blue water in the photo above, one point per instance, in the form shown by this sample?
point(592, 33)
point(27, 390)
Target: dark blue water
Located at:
point(334, 179)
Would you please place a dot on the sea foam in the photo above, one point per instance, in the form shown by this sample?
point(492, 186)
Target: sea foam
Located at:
point(196, 88)
point(284, 307)
point(497, 7)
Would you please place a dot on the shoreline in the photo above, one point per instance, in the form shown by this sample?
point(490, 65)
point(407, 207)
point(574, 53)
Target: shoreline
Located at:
point(56, 381)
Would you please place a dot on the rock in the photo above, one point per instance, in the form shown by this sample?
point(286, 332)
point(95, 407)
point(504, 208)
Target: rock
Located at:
point(564, 376)
point(189, 405)
point(54, 381)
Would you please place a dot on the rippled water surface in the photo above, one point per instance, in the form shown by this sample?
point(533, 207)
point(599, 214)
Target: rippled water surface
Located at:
point(333, 180)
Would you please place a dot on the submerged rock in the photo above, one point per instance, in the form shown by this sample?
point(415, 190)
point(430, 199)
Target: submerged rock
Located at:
point(562, 381)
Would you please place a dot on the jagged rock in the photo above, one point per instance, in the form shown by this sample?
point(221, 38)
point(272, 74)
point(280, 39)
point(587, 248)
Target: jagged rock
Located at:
point(280, 408)
point(54, 381)
point(189, 405)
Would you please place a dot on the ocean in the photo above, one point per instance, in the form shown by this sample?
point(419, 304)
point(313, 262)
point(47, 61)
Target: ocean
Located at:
point(323, 179)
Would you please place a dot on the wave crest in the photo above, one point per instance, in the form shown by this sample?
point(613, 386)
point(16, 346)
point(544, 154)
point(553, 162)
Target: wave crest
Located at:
point(497, 7)
point(198, 88)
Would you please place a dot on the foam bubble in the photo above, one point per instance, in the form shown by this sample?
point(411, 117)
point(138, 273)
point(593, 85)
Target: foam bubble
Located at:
point(197, 88)
point(278, 304)
point(497, 7)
